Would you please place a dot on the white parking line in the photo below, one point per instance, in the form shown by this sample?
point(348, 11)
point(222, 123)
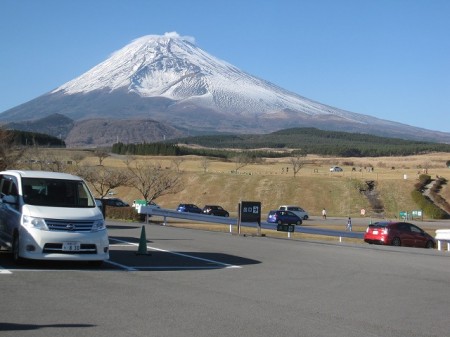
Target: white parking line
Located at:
point(5, 271)
point(120, 265)
point(135, 268)
point(226, 265)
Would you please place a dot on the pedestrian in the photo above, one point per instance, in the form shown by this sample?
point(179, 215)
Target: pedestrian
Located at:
point(349, 224)
point(324, 214)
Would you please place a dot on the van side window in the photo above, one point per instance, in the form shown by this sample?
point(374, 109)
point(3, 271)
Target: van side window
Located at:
point(8, 186)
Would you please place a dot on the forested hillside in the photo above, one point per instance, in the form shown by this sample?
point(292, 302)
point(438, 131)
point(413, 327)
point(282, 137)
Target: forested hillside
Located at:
point(289, 141)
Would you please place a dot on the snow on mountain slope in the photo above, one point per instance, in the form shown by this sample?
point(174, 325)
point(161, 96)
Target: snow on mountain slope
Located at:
point(169, 80)
point(170, 66)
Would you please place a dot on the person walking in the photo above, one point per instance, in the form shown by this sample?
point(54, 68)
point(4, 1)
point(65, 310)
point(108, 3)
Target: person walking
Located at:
point(324, 214)
point(349, 224)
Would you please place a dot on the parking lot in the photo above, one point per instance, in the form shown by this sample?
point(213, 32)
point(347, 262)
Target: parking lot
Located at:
point(199, 283)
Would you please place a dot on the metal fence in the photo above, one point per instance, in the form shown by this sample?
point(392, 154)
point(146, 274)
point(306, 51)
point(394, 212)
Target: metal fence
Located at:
point(167, 213)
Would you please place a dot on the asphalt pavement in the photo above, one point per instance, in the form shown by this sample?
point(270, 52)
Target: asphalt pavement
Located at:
point(200, 283)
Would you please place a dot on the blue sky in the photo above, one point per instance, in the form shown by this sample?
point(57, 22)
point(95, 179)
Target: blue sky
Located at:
point(385, 58)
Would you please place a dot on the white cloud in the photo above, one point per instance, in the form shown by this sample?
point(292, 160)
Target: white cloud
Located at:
point(175, 35)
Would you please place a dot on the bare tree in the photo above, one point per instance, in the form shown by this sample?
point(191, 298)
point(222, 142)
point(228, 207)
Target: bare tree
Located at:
point(101, 154)
point(10, 152)
point(54, 163)
point(104, 179)
point(177, 163)
point(241, 161)
point(152, 181)
point(297, 163)
point(204, 164)
point(78, 157)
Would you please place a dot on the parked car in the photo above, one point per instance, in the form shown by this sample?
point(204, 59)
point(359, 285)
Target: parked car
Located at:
point(336, 169)
point(398, 234)
point(50, 216)
point(215, 210)
point(114, 202)
point(283, 217)
point(300, 212)
point(190, 208)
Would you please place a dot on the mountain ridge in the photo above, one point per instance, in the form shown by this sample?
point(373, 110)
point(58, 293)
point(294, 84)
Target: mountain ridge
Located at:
point(170, 80)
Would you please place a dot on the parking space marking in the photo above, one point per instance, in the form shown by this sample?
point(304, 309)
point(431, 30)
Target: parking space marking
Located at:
point(226, 265)
point(121, 266)
point(122, 243)
point(5, 271)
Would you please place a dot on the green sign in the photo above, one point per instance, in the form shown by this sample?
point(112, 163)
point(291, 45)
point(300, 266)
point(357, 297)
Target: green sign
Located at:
point(140, 202)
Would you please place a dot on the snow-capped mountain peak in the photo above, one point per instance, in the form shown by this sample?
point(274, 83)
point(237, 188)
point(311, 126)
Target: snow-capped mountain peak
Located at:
point(173, 67)
point(170, 80)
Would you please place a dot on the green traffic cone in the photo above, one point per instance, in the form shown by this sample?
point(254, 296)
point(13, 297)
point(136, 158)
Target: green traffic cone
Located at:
point(142, 250)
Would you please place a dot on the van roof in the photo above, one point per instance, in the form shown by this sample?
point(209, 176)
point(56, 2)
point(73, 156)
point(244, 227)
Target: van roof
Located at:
point(41, 174)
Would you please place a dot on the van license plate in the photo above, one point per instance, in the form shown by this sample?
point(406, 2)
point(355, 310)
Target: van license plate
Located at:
point(71, 246)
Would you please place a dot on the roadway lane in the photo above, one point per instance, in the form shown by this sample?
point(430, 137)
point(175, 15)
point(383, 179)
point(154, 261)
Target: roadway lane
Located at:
point(198, 283)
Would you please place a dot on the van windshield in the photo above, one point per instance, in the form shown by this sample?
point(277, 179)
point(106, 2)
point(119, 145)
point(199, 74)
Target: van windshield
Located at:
point(56, 193)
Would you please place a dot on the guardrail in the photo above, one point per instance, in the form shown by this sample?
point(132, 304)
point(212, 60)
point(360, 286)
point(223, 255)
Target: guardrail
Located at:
point(167, 213)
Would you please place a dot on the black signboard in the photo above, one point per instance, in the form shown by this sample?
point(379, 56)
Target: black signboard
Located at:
point(250, 211)
point(286, 228)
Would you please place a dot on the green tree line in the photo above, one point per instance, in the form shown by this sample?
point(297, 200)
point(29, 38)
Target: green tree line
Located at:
point(286, 142)
point(27, 138)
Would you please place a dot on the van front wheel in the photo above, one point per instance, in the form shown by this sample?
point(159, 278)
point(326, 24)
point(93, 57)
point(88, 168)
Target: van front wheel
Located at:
point(16, 250)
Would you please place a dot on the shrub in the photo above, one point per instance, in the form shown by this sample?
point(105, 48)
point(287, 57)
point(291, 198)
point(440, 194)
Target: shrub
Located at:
point(425, 204)
point(122, 213)
point(424, 179)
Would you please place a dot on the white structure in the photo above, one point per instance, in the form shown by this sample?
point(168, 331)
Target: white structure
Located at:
point(443, 236)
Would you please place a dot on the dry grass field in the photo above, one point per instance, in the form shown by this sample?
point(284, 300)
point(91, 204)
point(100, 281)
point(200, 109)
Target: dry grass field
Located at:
point(272, 182)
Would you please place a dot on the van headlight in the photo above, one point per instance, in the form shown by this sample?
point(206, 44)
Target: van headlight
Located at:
point(98, 225)
point(32, 222)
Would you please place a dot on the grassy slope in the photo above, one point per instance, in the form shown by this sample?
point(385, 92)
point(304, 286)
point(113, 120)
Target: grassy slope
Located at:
point(313, 188)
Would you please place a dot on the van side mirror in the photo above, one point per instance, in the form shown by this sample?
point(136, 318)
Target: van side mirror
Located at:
point(10, 199)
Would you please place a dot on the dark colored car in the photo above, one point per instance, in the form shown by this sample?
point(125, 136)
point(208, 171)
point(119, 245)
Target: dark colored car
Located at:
point(283, 217)
point(398, 234)
point(114, 202)
point(215, 210)
point(190, 208)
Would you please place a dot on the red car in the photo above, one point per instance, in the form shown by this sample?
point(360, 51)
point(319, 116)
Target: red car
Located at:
point(398, 234)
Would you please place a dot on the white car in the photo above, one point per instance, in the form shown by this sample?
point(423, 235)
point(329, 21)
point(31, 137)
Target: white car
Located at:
point(300, 212)
point(50, 216)
point(336, 169)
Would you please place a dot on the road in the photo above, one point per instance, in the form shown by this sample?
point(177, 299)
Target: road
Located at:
point(318, 221)
point(200, 283)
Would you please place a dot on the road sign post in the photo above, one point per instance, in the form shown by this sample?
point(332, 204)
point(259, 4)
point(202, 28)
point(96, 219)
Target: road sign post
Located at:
point(249, 211)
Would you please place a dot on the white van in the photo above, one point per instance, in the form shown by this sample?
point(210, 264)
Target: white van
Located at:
point(300, 212)
point(51, 216)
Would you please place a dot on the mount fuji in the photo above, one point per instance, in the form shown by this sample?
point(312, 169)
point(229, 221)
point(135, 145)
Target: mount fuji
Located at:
point(184, 90)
